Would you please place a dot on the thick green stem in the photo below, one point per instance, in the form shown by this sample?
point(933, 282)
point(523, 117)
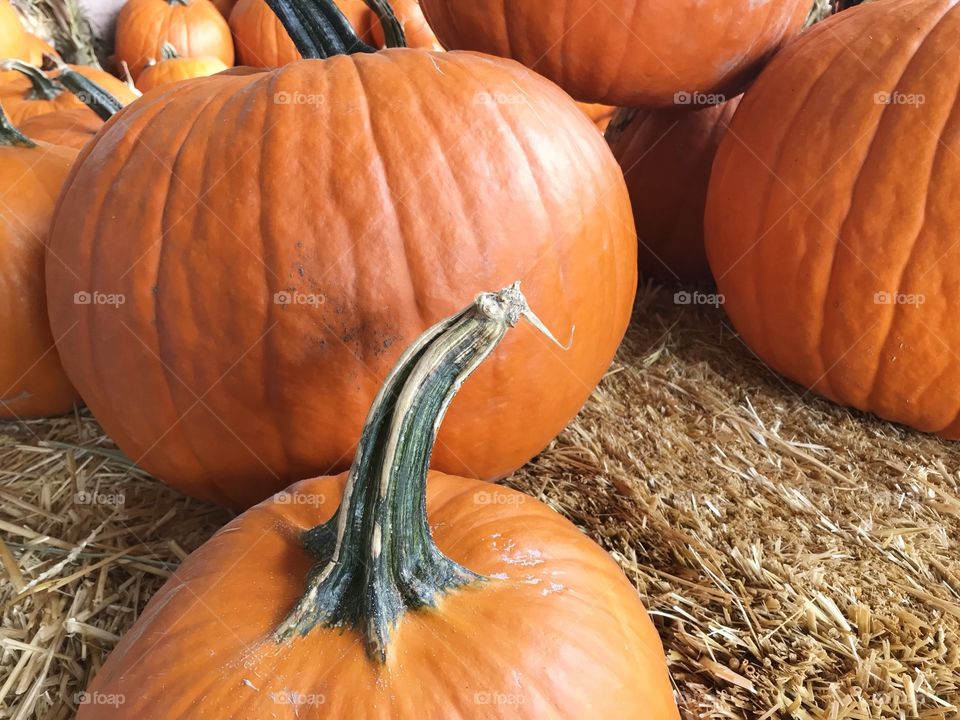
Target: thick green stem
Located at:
point(376, 558)
point(318, 28)
point(43, 88)
point(88, 92)
point(9, 135)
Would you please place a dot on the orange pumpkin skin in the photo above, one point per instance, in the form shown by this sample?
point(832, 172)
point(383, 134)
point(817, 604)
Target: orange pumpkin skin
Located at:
point(37, 47)
point(600, 115)
point(167, 72)
point(556, 617)
point(262, 41)
point(625, 52)
point(666, 157)
point(372, 256)
point(72, 128)
point(831, 230)
point(194, 27)
point(32, 381)
point(21, 105)
point(13, 38)
point(113, 85)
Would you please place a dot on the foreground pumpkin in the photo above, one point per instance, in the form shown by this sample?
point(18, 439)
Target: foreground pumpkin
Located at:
point(195, 27)
point(625, 52)
point(666, 157)
point(262, 41)
point(270, 286)
point(32, 382)
point(421, 596)
point(173, 67)
point(831, 225)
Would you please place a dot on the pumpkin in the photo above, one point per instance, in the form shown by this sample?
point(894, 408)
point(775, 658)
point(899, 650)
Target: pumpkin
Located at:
point(106, 82)
point(261, 40)
point(831, 216)
point(600, 115)
point(666, 157)
point(625, 52)
point(173, 68)
point(295, 232)
point(195, 27)
point(32, 381)
point(13, 38)
point(225, 6)
point(37, 47)
point(25, 91)
point(422, 595)
point(72, 128)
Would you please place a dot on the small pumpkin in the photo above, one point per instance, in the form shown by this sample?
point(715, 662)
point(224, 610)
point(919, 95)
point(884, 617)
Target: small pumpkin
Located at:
point(72, 128)
point(421, 596)
point(632, 53)
point(831, 221)
point(32, 381)
point(13, 38)
point(195, 27)
point(262, 41)
point(25, 91)
point(172, 68)
point(666, 157)
point(334, 266)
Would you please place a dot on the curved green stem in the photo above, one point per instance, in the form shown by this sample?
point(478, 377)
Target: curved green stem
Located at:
point(392, 28)
point(376, 558)
point(318, 28)
point(9, 135)
point(43, 87)
point(88, 92)
point(168, 52)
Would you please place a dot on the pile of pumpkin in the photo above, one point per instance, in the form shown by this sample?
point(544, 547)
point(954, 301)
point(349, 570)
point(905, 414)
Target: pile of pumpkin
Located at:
point(231, 266)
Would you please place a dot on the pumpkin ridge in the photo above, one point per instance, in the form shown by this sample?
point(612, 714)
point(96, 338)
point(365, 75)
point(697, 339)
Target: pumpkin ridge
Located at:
point(621, 64)
point(843, 228)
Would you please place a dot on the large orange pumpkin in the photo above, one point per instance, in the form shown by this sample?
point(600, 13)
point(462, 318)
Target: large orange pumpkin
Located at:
point(313, 220)
point(32, 381)
point(625, 52)
point(72, 128)
point(261, 40)
point(195, 27)
point(13, 38)
point(666, 157)
point(172, 68)
point(419, 598)
point(832, 214)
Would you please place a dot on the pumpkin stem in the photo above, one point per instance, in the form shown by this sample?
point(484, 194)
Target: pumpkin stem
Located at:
point(392, 28)
point(376, 557)
point(43, 87)
point(87, 91)
point(168, 52)
point(9, 135)
point(318, 28)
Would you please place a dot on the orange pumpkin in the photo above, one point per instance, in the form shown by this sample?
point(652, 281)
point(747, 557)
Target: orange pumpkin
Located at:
point(261, 40)
point(253, 266)
point(421, 597)
point(107, 82)
point(32, 381)
point(225, 6)
point(13, 38)
point(625, 52)
point(25, 91)
point(831, 217)
point(37, 47)
point(195, 27)
point(173, 68)
point(600, 115)
point(72, 128)
point(666, 157)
